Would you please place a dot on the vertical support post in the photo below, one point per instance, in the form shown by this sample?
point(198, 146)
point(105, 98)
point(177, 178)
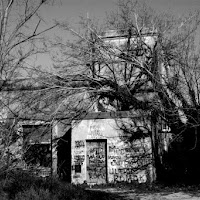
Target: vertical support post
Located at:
point(51, 146)
point(154, 144)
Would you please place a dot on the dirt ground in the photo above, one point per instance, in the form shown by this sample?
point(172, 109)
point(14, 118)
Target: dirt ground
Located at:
point(131, 194)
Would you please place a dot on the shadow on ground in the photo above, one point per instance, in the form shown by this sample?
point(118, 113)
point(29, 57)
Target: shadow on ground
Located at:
point(144, 192)
point(101, 194)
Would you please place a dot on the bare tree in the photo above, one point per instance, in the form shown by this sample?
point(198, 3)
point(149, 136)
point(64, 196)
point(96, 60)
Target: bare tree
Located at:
point(21, 37)
point(153, 67)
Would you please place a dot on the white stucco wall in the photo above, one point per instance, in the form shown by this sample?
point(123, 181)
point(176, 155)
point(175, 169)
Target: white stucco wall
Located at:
point(121, 157)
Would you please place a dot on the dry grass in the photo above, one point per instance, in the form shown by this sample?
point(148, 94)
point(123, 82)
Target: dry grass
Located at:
point(18, 185)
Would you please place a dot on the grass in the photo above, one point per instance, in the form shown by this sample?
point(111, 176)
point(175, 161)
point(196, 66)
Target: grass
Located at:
point(154, 188)
point(19, 185)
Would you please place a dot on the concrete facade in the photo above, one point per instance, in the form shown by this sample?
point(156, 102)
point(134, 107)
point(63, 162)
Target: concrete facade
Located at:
point(95, 150)
point(100, 154)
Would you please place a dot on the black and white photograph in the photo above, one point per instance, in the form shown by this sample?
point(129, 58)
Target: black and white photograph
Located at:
point(99, 99)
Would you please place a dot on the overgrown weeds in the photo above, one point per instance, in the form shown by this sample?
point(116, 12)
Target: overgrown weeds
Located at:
point(20, 185)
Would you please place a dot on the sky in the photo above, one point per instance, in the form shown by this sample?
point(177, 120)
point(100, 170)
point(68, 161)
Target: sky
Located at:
point(71, 10)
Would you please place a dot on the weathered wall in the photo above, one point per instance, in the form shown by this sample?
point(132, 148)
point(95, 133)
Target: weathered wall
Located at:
point(124, 161)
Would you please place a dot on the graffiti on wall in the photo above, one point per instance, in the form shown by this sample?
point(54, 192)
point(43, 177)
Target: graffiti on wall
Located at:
point(126, 163)
point(96, 155)
point(79, 155)
point(79, 144)
point(130, 175)
point(116, 150)
point(95, 131)
point(96, 162)
point(79, 147)
point(79, 159)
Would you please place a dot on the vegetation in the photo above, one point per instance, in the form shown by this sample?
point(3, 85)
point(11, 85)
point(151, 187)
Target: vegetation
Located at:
point(155, 70)
point(19, 185)
point(21, 39)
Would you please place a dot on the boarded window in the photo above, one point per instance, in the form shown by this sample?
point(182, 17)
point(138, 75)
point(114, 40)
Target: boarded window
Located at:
point(77, 168)
point(37, 145)
point(38, 154)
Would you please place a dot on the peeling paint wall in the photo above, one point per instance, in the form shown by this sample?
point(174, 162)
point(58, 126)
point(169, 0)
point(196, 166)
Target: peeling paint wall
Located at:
point(124, 161)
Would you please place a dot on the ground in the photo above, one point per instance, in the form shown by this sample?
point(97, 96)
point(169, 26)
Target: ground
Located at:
point(165, 193)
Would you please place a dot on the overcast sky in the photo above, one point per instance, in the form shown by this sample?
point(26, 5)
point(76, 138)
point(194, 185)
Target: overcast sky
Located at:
point(72, 9)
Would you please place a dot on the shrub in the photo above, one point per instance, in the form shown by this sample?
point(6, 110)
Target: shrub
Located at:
point(34, 194)
point(20, 185)
point(17, 181)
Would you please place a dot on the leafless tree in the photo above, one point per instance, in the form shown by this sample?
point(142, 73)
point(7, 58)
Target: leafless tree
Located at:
point(154, 69)
point(21, 38)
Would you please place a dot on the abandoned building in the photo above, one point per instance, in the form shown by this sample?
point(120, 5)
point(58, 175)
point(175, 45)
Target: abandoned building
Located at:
point(94, 150)
point(102, 152)
point(103, 146)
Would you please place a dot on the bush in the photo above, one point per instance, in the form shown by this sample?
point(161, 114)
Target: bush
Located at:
point(20, 185)
point(17, 181)
point(34, 194)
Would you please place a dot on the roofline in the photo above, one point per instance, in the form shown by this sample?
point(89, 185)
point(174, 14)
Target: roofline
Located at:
point(83, 116)
point(126, 35)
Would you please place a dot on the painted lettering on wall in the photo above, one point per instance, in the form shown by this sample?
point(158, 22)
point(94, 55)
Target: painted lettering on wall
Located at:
point(96, 155)
point(96, 173)
point(95, 131)
point(79, 144)
point(79, 159)
point(116, 150)
point(125, 162)
point(130, 175)
point(96, 161)
point(79, 148)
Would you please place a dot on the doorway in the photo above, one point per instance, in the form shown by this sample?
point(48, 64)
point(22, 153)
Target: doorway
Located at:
point(96, 162)
point(64, 157)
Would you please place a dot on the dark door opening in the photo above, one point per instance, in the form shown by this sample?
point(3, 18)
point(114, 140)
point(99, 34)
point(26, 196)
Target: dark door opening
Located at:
point(64, 157)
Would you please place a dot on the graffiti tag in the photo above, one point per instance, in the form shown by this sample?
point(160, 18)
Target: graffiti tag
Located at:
point(79, 144)
point(79, 159)
point(95, 132)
